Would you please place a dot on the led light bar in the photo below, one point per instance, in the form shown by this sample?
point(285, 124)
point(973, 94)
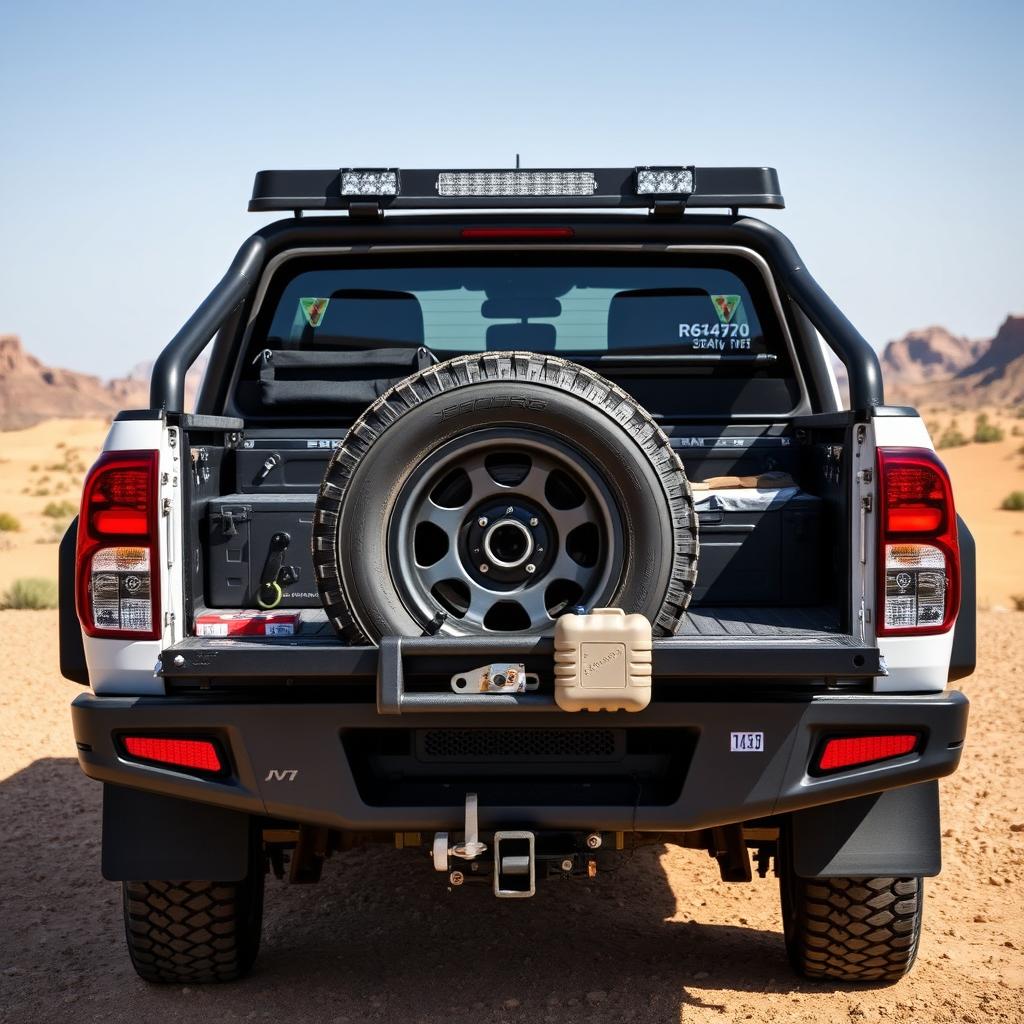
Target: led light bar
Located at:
point(516, 183)
point(660, 181)
point(641, 188)
point(369, 183)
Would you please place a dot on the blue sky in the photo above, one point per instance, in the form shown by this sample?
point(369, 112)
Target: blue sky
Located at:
point(131, 132)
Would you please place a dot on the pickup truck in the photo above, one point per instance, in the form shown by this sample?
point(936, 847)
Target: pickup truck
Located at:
point(447, 422)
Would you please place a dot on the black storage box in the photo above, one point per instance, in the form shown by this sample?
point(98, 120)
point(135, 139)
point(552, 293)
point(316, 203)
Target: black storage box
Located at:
point(288, 465)
point(758, 547)
point(247, 530)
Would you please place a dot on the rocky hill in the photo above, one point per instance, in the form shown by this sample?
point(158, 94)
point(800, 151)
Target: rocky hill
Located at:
point(928, 354)
point(933, 365)
point(30, 391)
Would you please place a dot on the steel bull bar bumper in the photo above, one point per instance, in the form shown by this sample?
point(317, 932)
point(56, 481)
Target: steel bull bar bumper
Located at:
point(346, 766)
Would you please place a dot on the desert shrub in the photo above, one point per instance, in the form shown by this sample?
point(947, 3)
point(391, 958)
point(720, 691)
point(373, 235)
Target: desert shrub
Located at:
point(951, 438)
point(1013, 502)
point(58, 467)
point(985, 432)
point(30, 593)
point(1018, 602)
point(41, 492)
point(8, 523)
point(59, 509)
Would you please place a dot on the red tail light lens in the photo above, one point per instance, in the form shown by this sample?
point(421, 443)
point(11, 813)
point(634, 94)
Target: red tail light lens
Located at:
point(850, 751)
point(919, 556)
point(198, 755)
point(117, 590)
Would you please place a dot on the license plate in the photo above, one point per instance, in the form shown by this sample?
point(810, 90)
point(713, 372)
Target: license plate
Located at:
point(746, 742)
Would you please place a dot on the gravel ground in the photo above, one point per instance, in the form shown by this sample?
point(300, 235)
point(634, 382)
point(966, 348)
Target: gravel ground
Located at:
point(378, 939)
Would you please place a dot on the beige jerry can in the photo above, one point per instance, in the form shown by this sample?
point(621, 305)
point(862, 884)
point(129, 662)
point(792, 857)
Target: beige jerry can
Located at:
point(603, 661)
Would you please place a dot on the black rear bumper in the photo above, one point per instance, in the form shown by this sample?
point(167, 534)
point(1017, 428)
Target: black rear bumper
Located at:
point(669, 768)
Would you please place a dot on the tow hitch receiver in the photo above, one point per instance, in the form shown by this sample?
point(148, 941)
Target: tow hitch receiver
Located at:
point(515, 872)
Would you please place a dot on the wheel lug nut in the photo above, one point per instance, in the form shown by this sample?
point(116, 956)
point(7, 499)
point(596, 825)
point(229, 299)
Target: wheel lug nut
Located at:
point(484, 567)
point(531, 568)
point(482, 521)
point(534, 520)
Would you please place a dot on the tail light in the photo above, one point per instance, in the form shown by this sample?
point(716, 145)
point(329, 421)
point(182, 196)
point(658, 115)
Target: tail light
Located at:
point(919, 557)
point(116, 589)
point(853, 751)
point(193, 754)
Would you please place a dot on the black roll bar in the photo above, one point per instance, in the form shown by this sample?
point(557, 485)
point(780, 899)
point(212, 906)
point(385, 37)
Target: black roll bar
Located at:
point(167, 385)
point(167, 390)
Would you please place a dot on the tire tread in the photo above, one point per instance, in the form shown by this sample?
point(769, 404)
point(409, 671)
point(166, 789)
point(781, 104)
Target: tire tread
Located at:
point(187, 932)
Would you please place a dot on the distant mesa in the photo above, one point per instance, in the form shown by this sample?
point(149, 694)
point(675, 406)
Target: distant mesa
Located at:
point(927, 355)
point(30, 391)
point(971, 373)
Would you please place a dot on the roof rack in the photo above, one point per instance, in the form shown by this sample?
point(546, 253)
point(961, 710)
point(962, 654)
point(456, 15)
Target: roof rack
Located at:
point(371, 191)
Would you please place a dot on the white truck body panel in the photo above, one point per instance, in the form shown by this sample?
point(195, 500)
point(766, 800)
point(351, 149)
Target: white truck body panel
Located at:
point(916, 664)
point(129, 666)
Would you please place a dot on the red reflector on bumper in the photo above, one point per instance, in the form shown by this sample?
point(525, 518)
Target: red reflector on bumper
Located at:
point(847, 751)
point(201, 755)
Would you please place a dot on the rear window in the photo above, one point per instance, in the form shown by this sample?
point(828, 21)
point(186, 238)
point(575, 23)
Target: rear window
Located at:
point(637, 322)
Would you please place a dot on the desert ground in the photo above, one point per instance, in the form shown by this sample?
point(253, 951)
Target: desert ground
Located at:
point(379, 939)
point(41, 471)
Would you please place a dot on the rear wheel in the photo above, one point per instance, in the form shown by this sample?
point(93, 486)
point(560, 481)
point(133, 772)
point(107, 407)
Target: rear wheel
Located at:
point(193, 932)
point(850, 929)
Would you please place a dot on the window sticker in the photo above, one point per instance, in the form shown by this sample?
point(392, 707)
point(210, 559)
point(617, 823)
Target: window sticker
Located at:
point(313, 310)
point(725, 306)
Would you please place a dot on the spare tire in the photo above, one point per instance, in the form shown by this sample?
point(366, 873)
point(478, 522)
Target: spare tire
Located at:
point(492, 492)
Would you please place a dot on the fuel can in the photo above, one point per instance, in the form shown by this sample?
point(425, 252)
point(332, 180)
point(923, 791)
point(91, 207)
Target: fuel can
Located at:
point(603, 661)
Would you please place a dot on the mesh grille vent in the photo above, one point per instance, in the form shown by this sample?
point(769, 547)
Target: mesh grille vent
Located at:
point(520, 744)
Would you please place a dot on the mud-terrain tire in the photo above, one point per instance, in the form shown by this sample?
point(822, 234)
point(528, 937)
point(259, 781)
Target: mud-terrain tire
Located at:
point(193, 932)
point(545, 411)
point(850, 929)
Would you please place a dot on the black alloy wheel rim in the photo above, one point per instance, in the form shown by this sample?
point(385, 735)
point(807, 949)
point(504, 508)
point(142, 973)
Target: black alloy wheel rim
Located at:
point(502, 530)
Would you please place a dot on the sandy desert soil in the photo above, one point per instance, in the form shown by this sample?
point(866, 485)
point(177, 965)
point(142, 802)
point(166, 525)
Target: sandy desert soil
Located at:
point(39, 467)
point(379, 940)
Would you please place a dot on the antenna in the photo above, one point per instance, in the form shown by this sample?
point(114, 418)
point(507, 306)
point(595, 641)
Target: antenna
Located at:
point(517, 161)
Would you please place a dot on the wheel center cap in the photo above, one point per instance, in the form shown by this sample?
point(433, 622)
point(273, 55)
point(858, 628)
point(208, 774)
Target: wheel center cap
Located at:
point(508, 543)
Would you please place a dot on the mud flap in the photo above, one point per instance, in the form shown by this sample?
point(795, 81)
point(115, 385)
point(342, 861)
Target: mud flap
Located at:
point(891, 834)
point(149, 836)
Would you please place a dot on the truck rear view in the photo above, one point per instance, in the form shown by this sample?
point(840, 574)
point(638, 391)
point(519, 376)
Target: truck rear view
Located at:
point(521, 522)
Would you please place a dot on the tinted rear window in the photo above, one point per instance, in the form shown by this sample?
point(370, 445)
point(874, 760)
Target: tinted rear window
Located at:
point(642, 321)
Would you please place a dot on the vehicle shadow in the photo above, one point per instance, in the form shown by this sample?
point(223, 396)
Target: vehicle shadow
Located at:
point(379, 937)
